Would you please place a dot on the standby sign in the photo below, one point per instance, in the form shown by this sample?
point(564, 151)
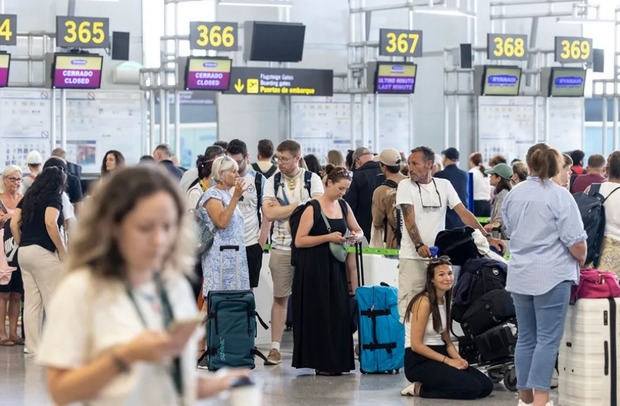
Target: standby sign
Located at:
point(275, 81)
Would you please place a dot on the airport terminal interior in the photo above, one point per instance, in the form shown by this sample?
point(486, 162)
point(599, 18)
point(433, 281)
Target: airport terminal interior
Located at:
point(495, 88)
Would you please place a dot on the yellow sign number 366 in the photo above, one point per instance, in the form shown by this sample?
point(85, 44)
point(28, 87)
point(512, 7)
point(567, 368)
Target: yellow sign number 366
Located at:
point(85, 32)
point(216, 36)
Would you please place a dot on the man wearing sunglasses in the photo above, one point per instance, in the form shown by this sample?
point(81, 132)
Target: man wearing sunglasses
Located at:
point(424, 201)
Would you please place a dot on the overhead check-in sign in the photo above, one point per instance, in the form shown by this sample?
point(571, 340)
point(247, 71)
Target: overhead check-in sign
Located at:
point(82, 32)
point(8, 29)
point(507, 46)
point(217, 36)
point(277, 81)
point(400, 42)
point(573, 49)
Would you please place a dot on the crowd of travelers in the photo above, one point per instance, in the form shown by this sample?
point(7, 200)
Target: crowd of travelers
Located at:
point(116, 265)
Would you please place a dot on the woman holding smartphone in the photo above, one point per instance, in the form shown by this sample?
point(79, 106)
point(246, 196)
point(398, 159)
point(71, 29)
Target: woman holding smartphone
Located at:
point(126, 340)
point(322, 332)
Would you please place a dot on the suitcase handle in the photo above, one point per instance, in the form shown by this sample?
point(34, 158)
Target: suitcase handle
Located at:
point(229, 247)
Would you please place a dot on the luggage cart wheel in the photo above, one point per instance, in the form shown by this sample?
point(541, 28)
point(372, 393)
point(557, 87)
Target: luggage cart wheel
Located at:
point(510, 380)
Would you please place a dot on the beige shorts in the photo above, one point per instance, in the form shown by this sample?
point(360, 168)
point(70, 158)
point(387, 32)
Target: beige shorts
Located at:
point(411, 281)
point(281, 272)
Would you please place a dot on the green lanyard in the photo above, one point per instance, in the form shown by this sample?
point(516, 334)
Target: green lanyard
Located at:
point(168, 317)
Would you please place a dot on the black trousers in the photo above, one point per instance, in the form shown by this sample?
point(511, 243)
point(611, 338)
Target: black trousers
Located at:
point(441, 381)
point(482, 208)
point(255, 262)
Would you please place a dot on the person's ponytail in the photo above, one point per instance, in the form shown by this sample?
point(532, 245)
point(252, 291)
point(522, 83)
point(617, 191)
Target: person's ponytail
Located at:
point(544, 162)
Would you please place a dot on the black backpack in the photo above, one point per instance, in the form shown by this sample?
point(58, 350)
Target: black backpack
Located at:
point(592, 210)
point(457, 243)
point(267, 174)
point(277, 183)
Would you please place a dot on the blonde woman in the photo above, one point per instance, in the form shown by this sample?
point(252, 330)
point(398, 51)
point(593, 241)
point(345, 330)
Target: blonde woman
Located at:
point(10, 294)
point(126, 340)
point(225, 264)
point(335, 158)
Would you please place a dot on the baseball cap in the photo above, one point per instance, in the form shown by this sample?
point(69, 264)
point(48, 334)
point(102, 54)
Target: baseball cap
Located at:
point(389, 157)
point(34, 158)
point(502, 170)
point(359, 152)
point(451, 153)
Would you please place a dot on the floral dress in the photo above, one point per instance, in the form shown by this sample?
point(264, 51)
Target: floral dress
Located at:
point(225, 264)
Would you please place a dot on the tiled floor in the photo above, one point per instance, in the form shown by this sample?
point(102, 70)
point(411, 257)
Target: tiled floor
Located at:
point(22, 383)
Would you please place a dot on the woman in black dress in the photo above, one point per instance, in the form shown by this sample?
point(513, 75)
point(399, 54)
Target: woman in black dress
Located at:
point(322, 332)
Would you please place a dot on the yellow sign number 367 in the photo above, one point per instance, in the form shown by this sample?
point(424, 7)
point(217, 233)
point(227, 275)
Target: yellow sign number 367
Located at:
point(84, 32)
point(405, 42)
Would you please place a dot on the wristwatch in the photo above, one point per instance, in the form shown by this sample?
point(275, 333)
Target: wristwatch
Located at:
point(418, 245)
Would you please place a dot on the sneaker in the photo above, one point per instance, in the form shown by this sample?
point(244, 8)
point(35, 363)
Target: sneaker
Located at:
point(522, 403)
point(202, 362)
point(274, 357)
point(408, 390)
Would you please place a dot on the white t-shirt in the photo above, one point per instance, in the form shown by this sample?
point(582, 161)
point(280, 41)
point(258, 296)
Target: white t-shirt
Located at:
point(86, 317)
point(431, 337)
point(612, 209)
point(437, 196)
point(188, 177)
point(482, 185)
point(193, 195)
point(248, 207)
point(290, 190)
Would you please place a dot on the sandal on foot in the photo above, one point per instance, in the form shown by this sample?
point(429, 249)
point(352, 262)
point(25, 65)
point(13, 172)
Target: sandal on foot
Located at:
point(7, 343)
point(17, 341)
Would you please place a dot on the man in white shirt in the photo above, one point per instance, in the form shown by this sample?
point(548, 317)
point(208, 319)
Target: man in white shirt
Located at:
point(424, 201)
point(284, 192)
point(256, 226)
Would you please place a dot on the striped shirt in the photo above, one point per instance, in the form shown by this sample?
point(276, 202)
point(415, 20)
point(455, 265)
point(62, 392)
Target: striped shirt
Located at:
point(542, 221)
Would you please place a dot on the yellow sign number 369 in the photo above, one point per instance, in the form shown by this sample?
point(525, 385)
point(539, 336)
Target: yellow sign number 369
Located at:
point(575, 49)
point(216, 36)
point(84, 32)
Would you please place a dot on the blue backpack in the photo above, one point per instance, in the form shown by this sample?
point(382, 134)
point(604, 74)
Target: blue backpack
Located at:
point(381, 334)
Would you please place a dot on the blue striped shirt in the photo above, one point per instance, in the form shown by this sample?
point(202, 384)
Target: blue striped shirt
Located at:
point(542, 221)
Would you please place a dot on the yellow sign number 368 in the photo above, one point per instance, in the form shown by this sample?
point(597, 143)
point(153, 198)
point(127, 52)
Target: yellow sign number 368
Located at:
point(509, 47)
point(216, 36)
point(84, 32)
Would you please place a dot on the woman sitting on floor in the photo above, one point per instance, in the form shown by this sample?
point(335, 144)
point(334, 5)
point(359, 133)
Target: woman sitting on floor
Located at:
point(432, 362)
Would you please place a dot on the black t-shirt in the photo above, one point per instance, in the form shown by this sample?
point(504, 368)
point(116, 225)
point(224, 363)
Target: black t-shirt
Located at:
point(34, 232)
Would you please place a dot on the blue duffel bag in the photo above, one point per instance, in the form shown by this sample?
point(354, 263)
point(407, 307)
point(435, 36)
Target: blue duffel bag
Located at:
point(381, 334)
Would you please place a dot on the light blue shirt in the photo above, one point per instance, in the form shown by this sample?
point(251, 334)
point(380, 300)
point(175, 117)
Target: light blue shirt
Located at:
point(542, 221)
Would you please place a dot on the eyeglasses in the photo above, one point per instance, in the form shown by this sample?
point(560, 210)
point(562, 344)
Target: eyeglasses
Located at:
point(422, 201)
point(440, 260)
point(12, 179)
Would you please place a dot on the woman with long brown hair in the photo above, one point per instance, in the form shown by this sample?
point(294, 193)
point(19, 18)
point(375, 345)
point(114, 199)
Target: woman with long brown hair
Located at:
point(126, 339)
point(432, 362)
point(482, 187)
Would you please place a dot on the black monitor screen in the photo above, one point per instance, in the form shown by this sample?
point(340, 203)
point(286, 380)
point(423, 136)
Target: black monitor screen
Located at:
point(567, 82)
point(281, 42)
point(501, 80)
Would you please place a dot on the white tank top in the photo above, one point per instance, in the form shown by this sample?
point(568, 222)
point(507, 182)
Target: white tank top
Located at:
point(431, 337)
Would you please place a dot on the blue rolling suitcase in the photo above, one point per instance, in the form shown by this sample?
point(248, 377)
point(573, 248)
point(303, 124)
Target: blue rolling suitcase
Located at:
point(381, 334)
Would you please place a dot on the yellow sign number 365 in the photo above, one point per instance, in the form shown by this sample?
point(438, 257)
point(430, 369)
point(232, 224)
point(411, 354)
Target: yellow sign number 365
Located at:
point(84, 32)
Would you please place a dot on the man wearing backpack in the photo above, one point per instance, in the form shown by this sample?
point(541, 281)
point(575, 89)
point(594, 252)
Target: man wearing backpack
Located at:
point(255, 226)
point(386, 217)
point(284, 192)
point(263, 164)
point(595, 173)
